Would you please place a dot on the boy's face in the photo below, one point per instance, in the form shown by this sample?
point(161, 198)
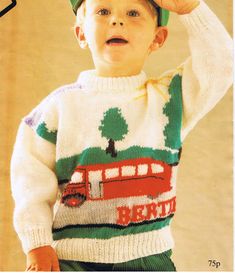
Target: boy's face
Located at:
point(120, 35)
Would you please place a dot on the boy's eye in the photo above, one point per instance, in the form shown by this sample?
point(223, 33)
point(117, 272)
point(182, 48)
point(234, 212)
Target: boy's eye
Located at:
point(133, 13)
point(103, 12)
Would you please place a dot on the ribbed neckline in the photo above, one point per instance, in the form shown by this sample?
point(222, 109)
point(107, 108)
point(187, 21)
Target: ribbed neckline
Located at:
point(91, 82)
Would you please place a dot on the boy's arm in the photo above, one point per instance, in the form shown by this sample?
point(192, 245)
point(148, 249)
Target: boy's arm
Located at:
point(208, 73)
point(34, 187)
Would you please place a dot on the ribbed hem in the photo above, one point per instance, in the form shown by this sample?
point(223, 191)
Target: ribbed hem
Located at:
point(90, 81)
point(160, 262)
point(33, 238)
point(115, 250)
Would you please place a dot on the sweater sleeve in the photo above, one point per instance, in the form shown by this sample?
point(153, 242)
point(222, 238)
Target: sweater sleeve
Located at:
point(208, 73)
point(33, 180)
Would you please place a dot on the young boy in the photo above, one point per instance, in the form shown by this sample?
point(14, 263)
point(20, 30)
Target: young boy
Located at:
point(107, 147)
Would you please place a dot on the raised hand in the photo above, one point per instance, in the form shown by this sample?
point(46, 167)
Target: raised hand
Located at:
point(178, 6)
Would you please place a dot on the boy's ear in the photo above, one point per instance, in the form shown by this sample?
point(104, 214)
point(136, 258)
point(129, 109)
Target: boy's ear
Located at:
point(79, 33)
point(160, 38)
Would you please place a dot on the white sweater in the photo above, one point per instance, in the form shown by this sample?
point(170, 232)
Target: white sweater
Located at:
point(94, 164)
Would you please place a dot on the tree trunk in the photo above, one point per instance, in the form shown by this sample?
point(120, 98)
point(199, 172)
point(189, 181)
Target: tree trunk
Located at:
point(111, 148)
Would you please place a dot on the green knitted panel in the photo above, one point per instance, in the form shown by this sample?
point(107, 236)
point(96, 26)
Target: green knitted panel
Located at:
point(43, 132)
point(102, 232)
point(65, 166)
point(173, 110)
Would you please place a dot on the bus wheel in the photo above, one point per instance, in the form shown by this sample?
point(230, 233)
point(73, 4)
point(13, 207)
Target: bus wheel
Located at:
point(75, 201)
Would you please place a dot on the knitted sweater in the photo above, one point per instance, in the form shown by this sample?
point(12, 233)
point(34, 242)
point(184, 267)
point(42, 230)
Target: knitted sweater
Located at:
point(94, 164)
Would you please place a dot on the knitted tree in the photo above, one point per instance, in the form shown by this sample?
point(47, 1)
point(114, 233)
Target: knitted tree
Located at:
point(114, 128)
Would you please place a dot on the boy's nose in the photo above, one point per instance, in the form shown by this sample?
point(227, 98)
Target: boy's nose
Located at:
point(115, 23)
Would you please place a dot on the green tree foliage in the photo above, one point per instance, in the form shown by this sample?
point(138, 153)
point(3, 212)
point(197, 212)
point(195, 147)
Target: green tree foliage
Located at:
point(114, 128)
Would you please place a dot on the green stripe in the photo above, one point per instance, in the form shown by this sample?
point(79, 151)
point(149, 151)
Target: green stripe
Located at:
point(65, 166)
point(107, 232)
point(43, 132)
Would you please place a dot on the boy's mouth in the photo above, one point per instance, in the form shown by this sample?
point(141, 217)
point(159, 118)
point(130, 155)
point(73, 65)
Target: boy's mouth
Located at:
point(116, 41)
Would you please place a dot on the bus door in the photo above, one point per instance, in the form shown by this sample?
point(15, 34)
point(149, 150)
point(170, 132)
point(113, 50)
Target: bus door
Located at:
point(95, 185)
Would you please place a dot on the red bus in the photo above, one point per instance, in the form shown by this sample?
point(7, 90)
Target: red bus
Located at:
point(132, 177)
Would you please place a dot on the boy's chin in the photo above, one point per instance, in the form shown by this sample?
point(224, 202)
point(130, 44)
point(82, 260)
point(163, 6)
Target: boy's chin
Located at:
point(116, 58)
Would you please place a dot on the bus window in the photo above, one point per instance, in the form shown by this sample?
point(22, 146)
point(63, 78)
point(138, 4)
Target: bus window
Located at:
point(142, 169)
point(111, 173)
point(128, 170)
point(157, 168)
point(77, 177)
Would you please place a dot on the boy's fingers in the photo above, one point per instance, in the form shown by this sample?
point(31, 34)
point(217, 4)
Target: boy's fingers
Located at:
point(37, 268)
point(32, 268)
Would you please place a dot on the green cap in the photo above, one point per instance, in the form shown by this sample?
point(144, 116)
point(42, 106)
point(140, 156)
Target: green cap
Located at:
point(163, 14)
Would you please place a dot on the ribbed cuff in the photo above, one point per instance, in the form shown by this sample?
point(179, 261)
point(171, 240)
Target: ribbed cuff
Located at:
point(33, 238)
point(205, 29)
point(201, 19)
